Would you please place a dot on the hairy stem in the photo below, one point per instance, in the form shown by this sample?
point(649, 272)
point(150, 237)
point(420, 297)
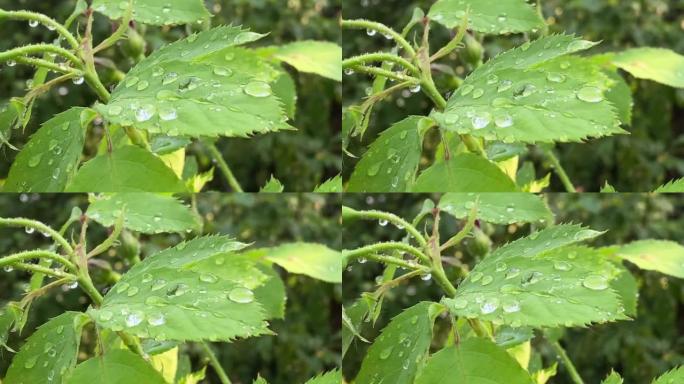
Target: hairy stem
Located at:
point(572, 371)
point(223, 166)
point(379, 57)
point(213, 361)
point(560, 171)
point(382, 28)
point(39, 254)
point(43, 19)
point(386, 216)
point(40, 48)
point(47, 65)
point(37, 225)
point(381, 72)
point(369, 250)
point(40, 269)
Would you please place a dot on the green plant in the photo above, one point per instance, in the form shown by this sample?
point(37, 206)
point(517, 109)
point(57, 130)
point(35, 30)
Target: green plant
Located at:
point(207, 288)
point(523, 100)
point(195, 90)
point(533, 288)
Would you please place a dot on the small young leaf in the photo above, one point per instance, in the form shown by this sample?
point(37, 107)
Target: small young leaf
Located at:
point(285, 89)
point(674, 186)
point(260, 380)
point(498, 208)
point(473, 361)
point(531, 94)
point(331, 377)
point(50, 353)
point(657, 255)
point(115, 367)
point(129, 169)
point(399, 351)
point(314, 260)
point(271, 294)
point(166, 363)
point(200, 86)
point(626, 286)
point(607, 188)
point(143, 212)
point(333, 185)
point(197, 290)
point(319, 57)
point(464, 173)
point(674, 376)
point(155, 12)
point(540, 281)
point(50, 158)
point(8, 117)
point(613, 378)
point(273, 186)
point(620, 95)
point(391, 162)
point(352, 319)
point(8, 317)
point(488, 16)
point(658, 64)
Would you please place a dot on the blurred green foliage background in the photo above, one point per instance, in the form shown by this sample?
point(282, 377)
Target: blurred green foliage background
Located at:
point(654, 151)
point(639, 350)
point(306, 343)
point(300, 159)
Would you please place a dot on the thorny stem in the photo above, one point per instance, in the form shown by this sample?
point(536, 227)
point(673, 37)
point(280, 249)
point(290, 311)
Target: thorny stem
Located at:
point(215, 363)
point(39, 269)
point(37, 225)
point(43, 19)
point(40, 254)
point(560, 171)
point(572, 371)
point(223, 166)
point(369, 250)
point(40, 48)
point(384, 73)
point(382, 28)
point(375, 57)
point(47, 65)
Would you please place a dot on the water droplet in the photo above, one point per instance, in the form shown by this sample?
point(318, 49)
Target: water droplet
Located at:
point(590, 94)
point(507, 288)
point(382, 222)
point(131, 81)
point(426, 277)
point(565, 65)
point(145, 113)
point(121, 287)
point(487, 280)
point(501, 266)
point(11, 63)
point(208, 278)
point(530, 278)
point(33, 23)
point(134, 318)
point(222, 71)
point(115, 110)
point(503, 121)
point(371, 32)
point(348, 71)
point(156, 319)
point(189, 84)
point(579, 45)
point(166, 9)
point(158, 71)
point(35, 160)
point(478, 93)
point(502, 18)
point(466, 89)
point(8, 268)
point(374, 169)
point(481, 120)
point(241, 295)
point(489, 305)
point(459, 303)
point(492, 79)
point(513, 272)
point(72, 285)
point(159, 284)
point(595, 282)
point(132, 291)
point(31, 362)
point(143, 85)
point(504, 85)
point(167, 113)
point(415, 88)
point(169, 78)
point(362, 260)
point(60, 329)
point(510, 306)
point(476, 276)
point(562, 266)
point(555, 77)
point(106, 315)
point(258, 89)
point(386, 353)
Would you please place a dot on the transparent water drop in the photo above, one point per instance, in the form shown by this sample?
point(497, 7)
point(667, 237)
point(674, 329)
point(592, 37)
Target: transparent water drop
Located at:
point(565, 65)
point(481, 120)
point(513, 272)
point(131, 81)
point(579, 45)
point(426, 277)
point(504, 85)
point(71, 285)
point(159, 284)
point(208, 278)
point(466, 89)
point(167, 113)
point(489, 305)
point(241, 295)
point(476, 276)
point(383, 222)
point(11, 63)
point(371, 32)
point(487, 280)
point(501, 266)
point(29, 230)
point(478, 93)
point(258, 89)
point(562, 266)
point(106, 315)
point(78, 80)
point(555, 77)
point(33, 23)
point(35, 160)
point(8, 268)
point(147, 277)
point(132, 291)
point(222, 71)
point(169, 78)
point(507, 288)
point(31, 362)
point(459, 303)
point(415, 88)
point(492, 79)
point(143, 85)
point(590, 94)
point(595, 282)
point(374, 169)
point(134, 318)
point(156, 319)
point(158, 71)
point(122, 286)
point(503, 120)
point(386, 353)
point(166, 8)
point(145, 113)
point(510, 306)
point(502, 18)
point(348, 71)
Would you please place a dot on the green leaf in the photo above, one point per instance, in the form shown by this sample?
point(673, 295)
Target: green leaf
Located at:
point(314, 260)
point(272, 186)
point(473, 361)
point(391, 162)
point(128, 169)
point(115, 367)
point(332, 377)
point(674, 186)
point(50, 158)
point(285, 89)
point(352, 319)
point(399, 351)
point(613, 378)
point(497, 208)
point(8, 117)
point(626, 286)
point(318, 57)
point(333, 185)
point(674, 376)
point(464, 173)
point(155, 12)
point(533, 94)
point(197, 290)
point(507, 337)
point(50, 353)
point(658, 64)
point(271, 294)
point(488, 16)
point(656, 255)
point(9, 315)
point(541, 281)
point(620, 95)
point(200, 86)
point(259, 380)
point(143, 212)
point(607, 188)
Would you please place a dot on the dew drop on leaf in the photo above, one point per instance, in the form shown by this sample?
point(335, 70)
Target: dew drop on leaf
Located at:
point(478, 93)
point(147, 277)
point(208, 278)
point(106, 315)
point(159, 70)
point(29, 230)
point(30, 362)
point(131, 81)
point(555, 77)
point(258, 89)
point(510, 306)
point(143, 85)
point(167, 113)
point(595, 282)
point(169, 78)
point(35, 160)
point(374, 169)
point(476, 276)
point(121, 287)
point(11, 63)
point(370, 32)
point(134, 318)
point(502, 18)
point(33, 23)
point(487, 280)
point(415, 88)
point(115, 110)
point(459, 303)
point(503, 121)
point(386, 353)
point(504, 85)
point(590, 94)
point(489, 305)
point(222, 71)
point(562, 266)
point(466, 89)
point(241, 295)
point(159, 284)
point(501, 266)
point(481, 120)
point(492, 79)
point(156, 319)
point(132, 291)
point(145, 113)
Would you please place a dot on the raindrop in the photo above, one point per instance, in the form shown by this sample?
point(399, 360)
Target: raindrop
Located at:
point(480, 121)
point(121, 287)
point(241, 295)
point(29, 230)
point(8, 268)
point(501, 102)
point(562, 266)
point(478, 93)
point(208, 278)
point(35, 160)
point(504, 85)
point(590, 94)
point(159, 284)
point(531, 278)
point(489, 305)
point(258, 89)
point(11, 63)
point(579, 45)
point(386, 353)
point(132, 291)
point(476, 276)
point(147, 277)
point(31, 362)
point(459, 303)
point(169, 78)
point(426, 277)
point(503, 121)
point(222, 71)
point(501, 266)
point(487, 280)
point(555, 77)
point(145, 113)
point(33, 23)
point(156, 319)
point(159, 71)
point(382, 222)
point(143, 85)
point(374, 169)
point(370, 32)
point(134, 318)
point(78, 80)
point(565, 65)
point(492, 79)
point(167, 113)
point(513, 272)
point(348, 71)
point(502, 18)
point(166, 8)
point(511, 306)
point(595, 282)
point(71, 285)
point(466, 89)
point(131, 81)
point(362, 260)
point(415, 88)
point(106, 315)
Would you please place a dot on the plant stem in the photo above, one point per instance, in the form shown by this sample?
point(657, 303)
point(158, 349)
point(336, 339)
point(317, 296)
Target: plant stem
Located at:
point(470, 223)
point(384, 73)
point(223, 166)
point(40, 48)
point(572, 371)
point(375, 57)
point(382, 28)
point(560, 171)
point(43, 270)
point(43, 19)
point(386, 216)
point(215, 363)
point(46, 64)
point(123, 27)
point(37, 225)
point(369, 250)
point(454, 43)
point(39, 254)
